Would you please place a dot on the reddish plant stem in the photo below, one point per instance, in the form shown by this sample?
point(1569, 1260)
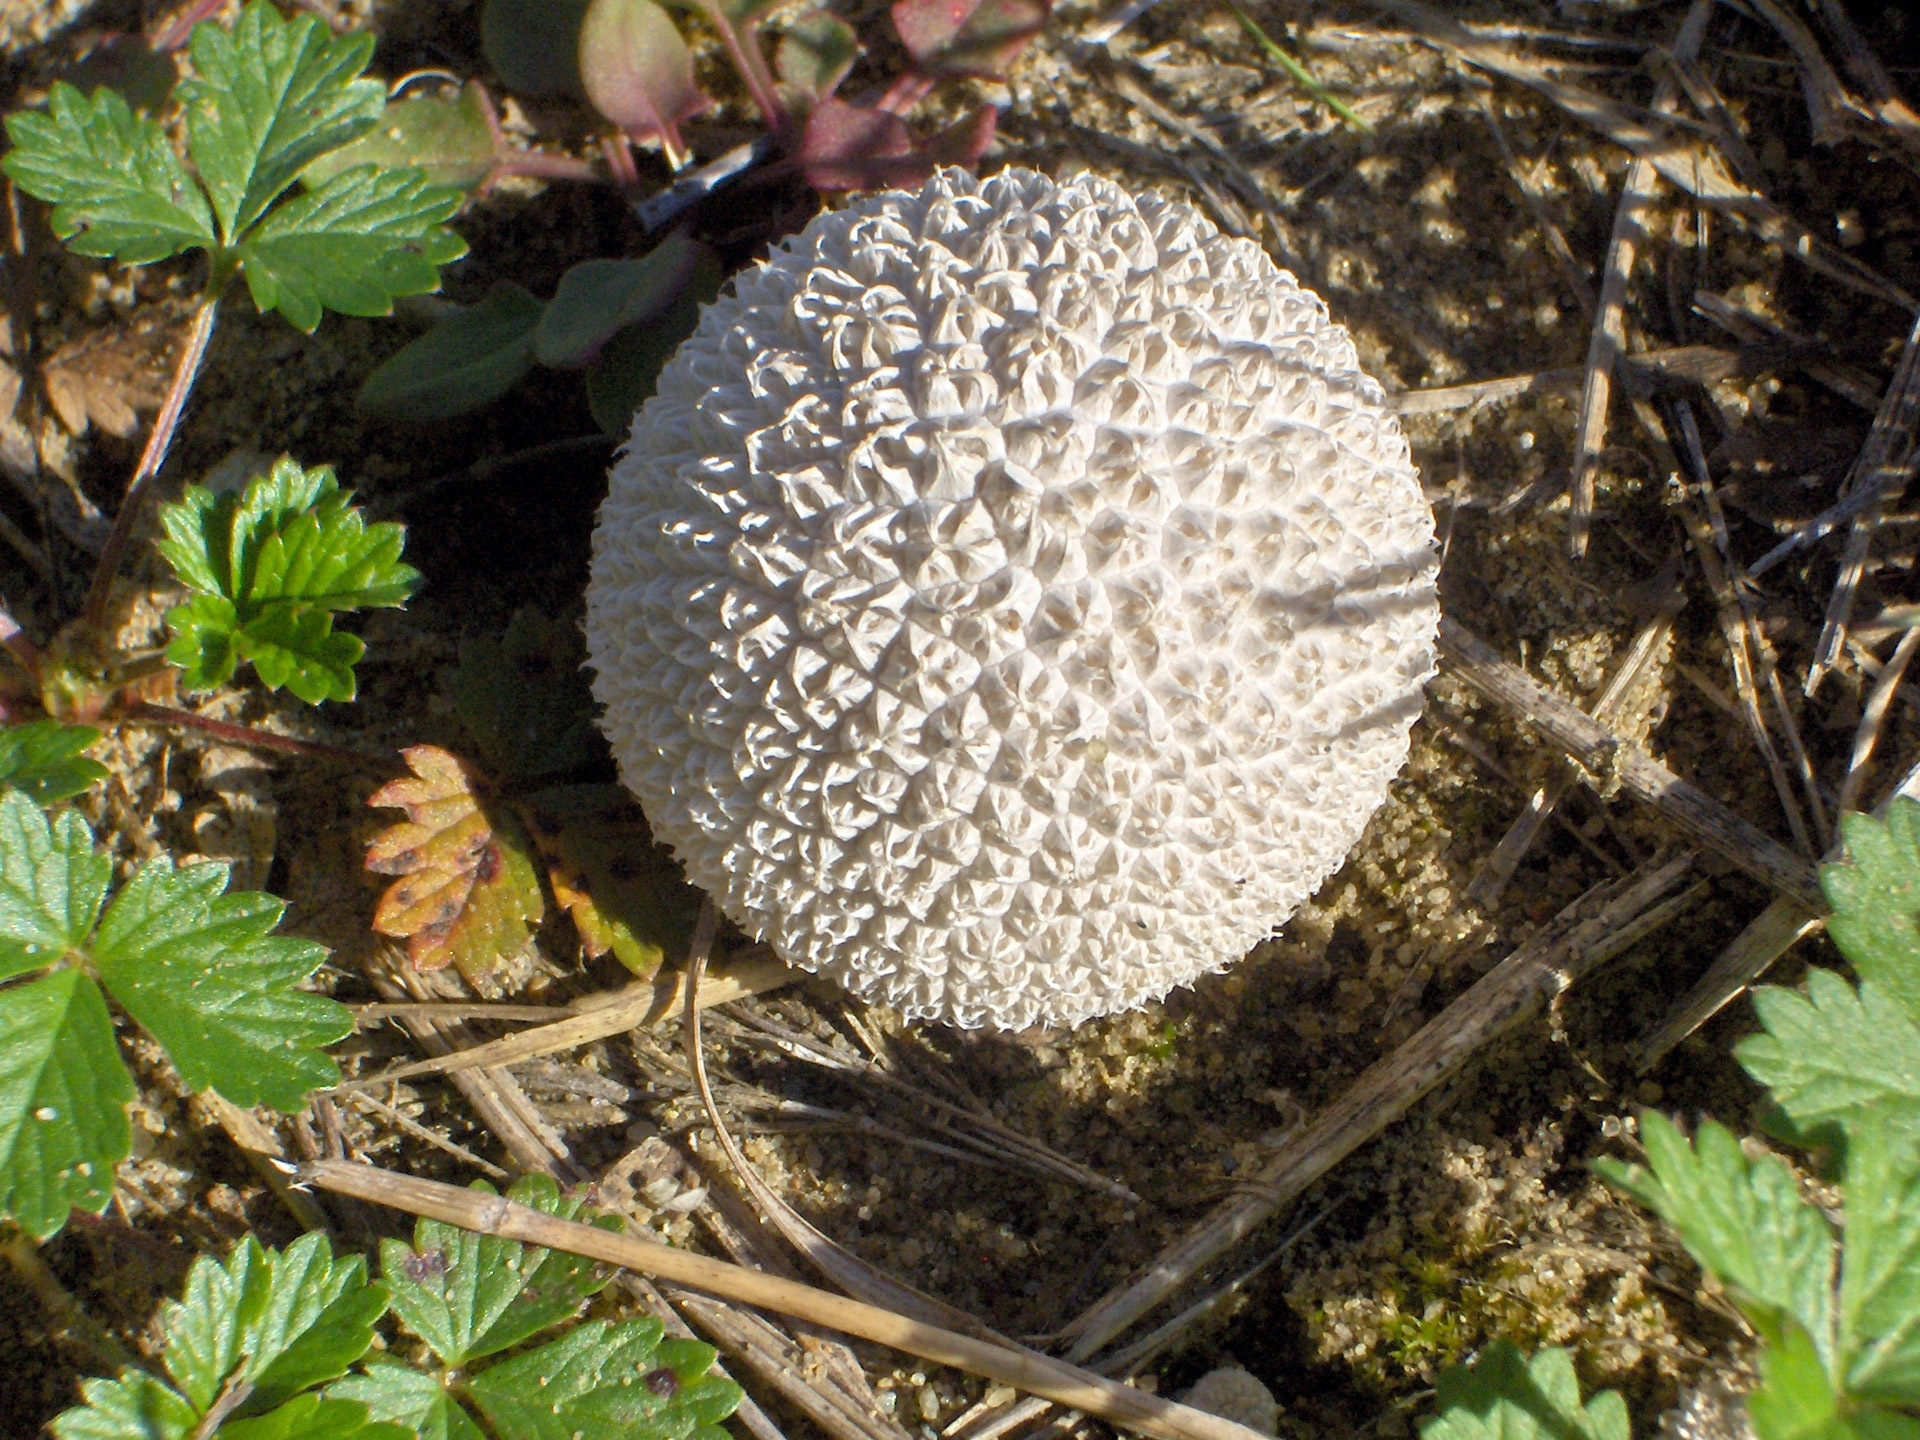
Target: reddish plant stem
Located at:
point(100, 591)
point(146, 713)
point(744, 51)
point(905, 92)
point(539, 165)
point(618, 150)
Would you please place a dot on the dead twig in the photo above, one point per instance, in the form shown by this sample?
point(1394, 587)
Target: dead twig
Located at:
point(1873, 715)
point(1509, 994)
point(1011, 1365)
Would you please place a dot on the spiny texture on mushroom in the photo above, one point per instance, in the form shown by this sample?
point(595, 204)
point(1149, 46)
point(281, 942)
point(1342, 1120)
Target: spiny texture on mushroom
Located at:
point(1015, 599)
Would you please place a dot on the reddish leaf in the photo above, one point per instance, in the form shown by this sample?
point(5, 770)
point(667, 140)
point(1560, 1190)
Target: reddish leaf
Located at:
point(638, 72)
point(468, 893)
point(968, 37)
point(857, 147)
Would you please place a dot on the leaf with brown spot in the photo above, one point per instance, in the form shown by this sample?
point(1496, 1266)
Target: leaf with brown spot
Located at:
point(468, 894)
point(623, 891)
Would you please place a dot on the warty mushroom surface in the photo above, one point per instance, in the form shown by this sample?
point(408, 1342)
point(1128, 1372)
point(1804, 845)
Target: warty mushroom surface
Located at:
point(1015, 599)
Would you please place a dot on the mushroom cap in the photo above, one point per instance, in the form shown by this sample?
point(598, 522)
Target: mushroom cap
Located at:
point(1014, 600)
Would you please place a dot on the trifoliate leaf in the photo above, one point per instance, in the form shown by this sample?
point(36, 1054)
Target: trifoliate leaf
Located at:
point(1880, 1264)
point(268, 568)
point(624, 893)
point(43, 760)
point(198, 968)
point(470, 1295)
point(1876, 901)
point(117, 187)
point(64, 1094)
point(362, 240)
point(460, 364)
point(204, 974)
point(279, 1322)
point(1832, 1049)
point(468, 894)
point(525, 699)
point(134, 1407)
point(1746, 1223)
point(310, 1417)
point(1503, 1395)
point(269, 97)
point(410, 1398)
point(451, 141)
point(604, 1379)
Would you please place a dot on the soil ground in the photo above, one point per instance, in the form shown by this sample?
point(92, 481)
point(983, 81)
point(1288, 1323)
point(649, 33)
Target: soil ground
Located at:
point(1473, 1218)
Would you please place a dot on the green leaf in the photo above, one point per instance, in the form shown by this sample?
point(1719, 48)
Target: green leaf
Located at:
point(43, 759)
point(278, 1321)
point(1794, 1400)
point(1503, 1395)
point(311, 1417)
point(1745, 1223)
point(815, 53)
point(1830, 1051)
point(63, 1101)
point(268, 567)
point(1876, 899)
point(460, 364)
point(134, 1407)
point(203, 973)
point(1880, 1268)
point(117, 187)
point(51, 884)
point(269, 97)
point(597, 297)
point(355, 245)
point(604, 1379)
point(525, 698)
point(534, 45)
point(470, 1295)
point(451, 141)
point(638, 72)
point(416, 1401)
point(623, 376)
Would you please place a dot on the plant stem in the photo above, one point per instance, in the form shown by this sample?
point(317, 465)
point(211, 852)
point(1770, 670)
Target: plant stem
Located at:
point(905, 92)
point(146, 713)
point(744, 51)
point(185, 370)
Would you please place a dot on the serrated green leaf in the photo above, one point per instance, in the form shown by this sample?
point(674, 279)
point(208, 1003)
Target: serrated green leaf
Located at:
point(313, 1417)
point(117, 187)
point(51, 884)
point(268, 568)
point(1503, 1395)
point(606, 1379)
point(460, 364)
point(450, 141)
point(1876, 899)
point(1746, 1223)
point(43, 760)
point(203, 972)
point(63, 1101)
point(269, 97)
point(1794, 1400)
point(1832, 1049)
point(355, 245)
point(277, 1321)
point(598, 297)
point(471, 1295)
point(417, 1401)
point(134, 1407)
point(1880, 1264)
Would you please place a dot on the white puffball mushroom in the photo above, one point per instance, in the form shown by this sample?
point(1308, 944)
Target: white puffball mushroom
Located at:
point(1014, 600)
